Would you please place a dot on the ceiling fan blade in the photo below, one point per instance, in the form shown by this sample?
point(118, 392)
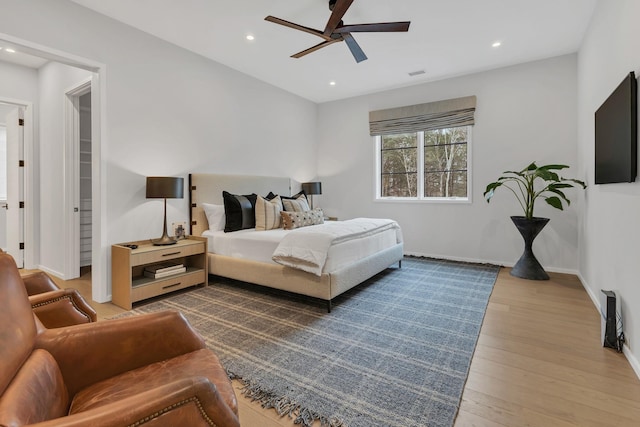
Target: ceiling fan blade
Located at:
point(339, 9)
point(354, 47)
point(377, 27)
point(295, 26)
point(316, 47)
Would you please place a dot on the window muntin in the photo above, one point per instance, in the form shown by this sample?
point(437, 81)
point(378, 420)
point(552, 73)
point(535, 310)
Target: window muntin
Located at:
point(443, 173)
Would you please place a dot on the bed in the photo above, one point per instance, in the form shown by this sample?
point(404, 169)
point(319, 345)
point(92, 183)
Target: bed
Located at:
point(238, 255)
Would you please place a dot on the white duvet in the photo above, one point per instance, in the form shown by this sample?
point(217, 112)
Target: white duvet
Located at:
point(306, 248)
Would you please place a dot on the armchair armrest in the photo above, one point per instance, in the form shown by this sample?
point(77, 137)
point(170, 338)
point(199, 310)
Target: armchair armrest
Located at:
point(93, 352)
point(187, 402)
point(62, 307)
point(38, 282)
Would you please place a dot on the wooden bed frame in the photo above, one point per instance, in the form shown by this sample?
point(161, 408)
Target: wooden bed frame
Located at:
point(207, 188)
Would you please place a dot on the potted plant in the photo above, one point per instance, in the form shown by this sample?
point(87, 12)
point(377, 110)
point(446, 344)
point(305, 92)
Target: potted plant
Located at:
point(528, 185)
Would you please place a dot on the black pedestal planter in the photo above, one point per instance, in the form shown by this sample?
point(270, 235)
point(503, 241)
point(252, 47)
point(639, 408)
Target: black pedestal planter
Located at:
point(528, 266)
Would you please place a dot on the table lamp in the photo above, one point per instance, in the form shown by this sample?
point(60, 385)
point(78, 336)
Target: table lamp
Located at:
point(165, 187)
point(311, 188)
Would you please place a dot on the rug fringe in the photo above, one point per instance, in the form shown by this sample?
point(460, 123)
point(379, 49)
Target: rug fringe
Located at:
point(283, 405)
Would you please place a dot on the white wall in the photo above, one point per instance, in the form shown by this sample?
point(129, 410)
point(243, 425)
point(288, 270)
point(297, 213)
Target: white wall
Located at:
point(610, 226)
point(54, 81)
point(524, 113)
point(168, 112)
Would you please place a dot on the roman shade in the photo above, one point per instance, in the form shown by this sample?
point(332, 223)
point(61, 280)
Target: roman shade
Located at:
point(422, 117)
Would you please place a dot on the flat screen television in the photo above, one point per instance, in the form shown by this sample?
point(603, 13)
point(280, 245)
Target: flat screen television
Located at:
point(616, 134)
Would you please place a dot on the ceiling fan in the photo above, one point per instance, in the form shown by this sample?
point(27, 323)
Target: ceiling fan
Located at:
point(336, 31)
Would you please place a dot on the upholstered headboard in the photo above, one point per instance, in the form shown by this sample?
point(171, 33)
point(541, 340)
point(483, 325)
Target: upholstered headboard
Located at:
point(208, 188)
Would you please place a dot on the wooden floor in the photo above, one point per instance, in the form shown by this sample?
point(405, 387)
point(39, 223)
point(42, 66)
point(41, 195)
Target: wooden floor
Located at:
point(539, 362)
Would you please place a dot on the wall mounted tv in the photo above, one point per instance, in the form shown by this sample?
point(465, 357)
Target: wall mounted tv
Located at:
point(616, 134)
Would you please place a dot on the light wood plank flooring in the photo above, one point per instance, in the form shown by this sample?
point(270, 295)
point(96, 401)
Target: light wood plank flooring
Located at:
point(539, 362)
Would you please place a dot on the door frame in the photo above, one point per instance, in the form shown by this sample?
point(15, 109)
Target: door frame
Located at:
point(100, 250)
point(72, 177)
point(29, 223)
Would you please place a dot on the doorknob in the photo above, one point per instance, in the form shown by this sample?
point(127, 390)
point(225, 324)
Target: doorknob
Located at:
point(76, 209)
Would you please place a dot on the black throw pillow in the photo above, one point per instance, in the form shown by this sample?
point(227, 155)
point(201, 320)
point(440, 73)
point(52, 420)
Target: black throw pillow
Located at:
point(239, 211)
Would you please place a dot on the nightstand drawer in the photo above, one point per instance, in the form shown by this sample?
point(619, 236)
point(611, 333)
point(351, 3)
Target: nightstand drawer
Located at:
point(150, 256)
point(170, 284)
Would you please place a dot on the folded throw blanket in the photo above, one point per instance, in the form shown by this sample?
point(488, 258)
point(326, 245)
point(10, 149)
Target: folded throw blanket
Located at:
point(307, 248)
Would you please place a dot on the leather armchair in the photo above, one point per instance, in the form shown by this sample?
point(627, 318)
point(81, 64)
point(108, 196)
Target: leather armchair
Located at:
point(152, 369)
point(56, 307)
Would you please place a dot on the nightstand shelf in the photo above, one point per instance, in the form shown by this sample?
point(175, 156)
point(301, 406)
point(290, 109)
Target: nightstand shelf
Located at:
point(130, 285)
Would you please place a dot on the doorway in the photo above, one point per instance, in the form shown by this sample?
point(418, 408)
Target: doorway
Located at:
point(78, 185)
point(12, 176)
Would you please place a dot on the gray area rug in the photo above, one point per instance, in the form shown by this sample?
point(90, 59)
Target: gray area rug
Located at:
point(395, 351)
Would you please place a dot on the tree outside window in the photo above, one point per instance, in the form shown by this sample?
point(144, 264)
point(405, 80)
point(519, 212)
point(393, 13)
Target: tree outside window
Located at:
point(442, 173)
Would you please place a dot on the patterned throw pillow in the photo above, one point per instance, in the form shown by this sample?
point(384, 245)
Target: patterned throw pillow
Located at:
point(268, 213)
point(291, 220)
point(298, 204)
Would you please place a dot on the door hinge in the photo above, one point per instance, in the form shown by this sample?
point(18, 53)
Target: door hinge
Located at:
point(20, 163)
point(20, 122)
point(21, 205)
point(21, 245)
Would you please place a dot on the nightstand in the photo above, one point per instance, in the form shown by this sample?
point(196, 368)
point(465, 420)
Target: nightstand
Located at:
point(129, 283)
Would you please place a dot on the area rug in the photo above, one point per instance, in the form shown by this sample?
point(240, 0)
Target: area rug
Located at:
point(394, 351)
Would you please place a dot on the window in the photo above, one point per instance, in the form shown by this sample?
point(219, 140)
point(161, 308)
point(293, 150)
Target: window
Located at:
point(440, 174)
point(423, 151)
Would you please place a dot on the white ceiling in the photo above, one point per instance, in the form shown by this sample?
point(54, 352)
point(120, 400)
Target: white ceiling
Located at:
point(447, 38)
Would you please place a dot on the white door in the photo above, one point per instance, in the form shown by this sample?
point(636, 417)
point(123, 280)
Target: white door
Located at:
point(15, 185)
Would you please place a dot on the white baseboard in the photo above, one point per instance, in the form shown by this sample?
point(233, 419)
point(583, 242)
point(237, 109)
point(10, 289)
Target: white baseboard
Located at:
point(51, 272)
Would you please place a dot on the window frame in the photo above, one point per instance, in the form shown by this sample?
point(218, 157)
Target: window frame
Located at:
point(420, 174)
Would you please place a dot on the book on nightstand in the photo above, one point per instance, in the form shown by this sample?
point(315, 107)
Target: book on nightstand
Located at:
point(157, 271)
point(159, 275)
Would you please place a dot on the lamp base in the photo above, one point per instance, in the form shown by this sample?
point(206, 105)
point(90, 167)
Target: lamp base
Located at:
point(164, 241)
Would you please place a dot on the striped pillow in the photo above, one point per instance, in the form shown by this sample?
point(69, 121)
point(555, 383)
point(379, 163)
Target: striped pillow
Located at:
point(268, 213)
point(296, 205)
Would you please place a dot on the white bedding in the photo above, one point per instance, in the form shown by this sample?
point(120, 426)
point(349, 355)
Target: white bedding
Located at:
point(307, 248)
point(260, 246)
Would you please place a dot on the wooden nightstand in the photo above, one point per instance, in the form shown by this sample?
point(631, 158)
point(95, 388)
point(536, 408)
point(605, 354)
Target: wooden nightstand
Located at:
point(128, 282)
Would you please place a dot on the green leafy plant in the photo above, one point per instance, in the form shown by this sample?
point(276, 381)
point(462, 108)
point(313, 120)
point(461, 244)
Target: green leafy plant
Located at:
point(523, 185)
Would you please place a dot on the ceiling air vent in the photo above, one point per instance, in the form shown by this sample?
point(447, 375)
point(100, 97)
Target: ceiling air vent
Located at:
point(416, 73)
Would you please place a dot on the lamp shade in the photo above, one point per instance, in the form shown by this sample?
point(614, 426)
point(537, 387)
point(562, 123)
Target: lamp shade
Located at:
point(312, 188)
point(165, 187)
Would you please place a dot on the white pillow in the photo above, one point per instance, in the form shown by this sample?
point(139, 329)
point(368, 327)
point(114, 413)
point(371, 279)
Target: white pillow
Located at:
point(268, 213)
point(215, 216)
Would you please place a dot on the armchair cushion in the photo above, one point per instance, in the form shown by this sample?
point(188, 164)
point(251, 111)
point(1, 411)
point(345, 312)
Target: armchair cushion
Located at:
point(200, 363)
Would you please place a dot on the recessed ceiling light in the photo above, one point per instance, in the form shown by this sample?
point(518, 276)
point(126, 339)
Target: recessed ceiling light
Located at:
point(332, 83)
point(10, 50)
point(250, 37)
point(496, 44)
